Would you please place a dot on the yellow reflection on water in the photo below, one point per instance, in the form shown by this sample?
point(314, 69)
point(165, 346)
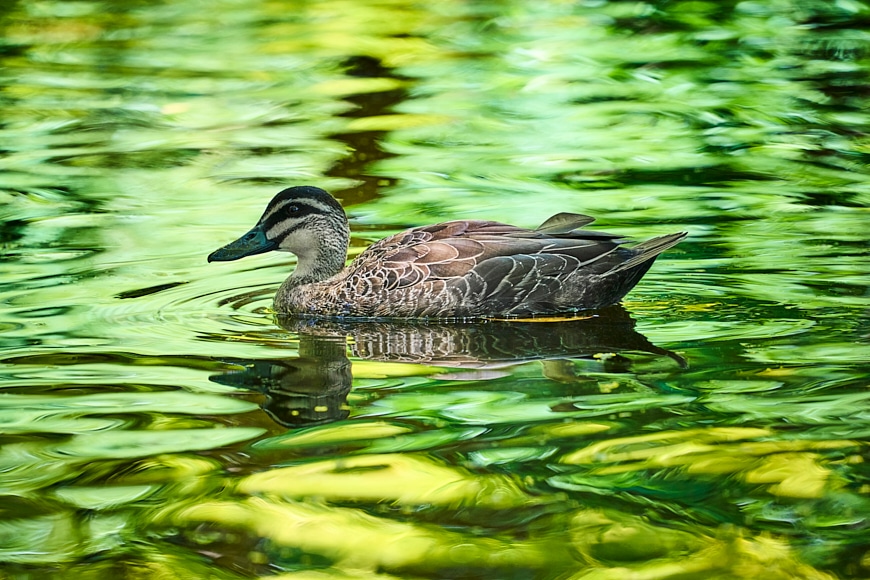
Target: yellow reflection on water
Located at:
point(789, 466)
point(405, 479)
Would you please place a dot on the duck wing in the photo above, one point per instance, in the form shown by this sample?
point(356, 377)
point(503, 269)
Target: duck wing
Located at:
point(486, 252)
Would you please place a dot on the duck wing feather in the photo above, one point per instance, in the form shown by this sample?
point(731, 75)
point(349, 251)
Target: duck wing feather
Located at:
point(492, 260)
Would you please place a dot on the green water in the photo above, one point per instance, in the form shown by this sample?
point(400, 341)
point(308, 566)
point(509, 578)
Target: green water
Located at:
point(158, 421)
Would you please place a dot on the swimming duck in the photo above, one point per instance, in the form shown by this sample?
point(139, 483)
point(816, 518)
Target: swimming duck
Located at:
point(456, 269)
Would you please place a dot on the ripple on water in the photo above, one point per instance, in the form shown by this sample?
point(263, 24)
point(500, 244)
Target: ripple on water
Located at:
point(177, 319)
point(189, 312)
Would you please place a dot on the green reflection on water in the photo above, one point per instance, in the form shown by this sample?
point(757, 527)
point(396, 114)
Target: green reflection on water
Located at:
point(156, 421)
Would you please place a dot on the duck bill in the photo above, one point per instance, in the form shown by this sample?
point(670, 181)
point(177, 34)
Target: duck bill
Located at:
point(252, 243)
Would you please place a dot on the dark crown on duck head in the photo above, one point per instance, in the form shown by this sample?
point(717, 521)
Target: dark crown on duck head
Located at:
point(295, 203)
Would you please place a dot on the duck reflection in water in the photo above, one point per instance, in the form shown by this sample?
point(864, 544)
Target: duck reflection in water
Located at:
point(312, 388)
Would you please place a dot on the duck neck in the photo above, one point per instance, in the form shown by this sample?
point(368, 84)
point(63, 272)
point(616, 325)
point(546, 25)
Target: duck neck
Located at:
point(322, 259)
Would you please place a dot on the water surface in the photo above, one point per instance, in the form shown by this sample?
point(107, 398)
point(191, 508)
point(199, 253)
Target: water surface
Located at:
point(158, 420)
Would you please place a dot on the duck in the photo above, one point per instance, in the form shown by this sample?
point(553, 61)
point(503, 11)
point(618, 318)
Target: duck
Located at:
point(463, 269)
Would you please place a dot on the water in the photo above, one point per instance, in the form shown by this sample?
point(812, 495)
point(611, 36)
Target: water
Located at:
point(159, 421)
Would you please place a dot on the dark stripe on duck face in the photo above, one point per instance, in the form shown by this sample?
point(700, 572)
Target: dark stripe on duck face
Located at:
point(291, 209)
point(283, 216)
point(288, 218)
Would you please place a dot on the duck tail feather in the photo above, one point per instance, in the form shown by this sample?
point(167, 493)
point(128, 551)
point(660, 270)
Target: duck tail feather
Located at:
point(648, 250)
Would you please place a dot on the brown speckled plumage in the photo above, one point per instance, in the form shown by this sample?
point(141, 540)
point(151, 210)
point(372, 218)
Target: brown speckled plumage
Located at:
point(458, 269)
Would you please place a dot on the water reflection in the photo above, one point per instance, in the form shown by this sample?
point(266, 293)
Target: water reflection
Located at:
point(312, 388)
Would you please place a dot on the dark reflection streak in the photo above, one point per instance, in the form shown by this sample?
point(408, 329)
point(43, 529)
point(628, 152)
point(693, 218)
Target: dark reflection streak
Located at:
point(140, 292)
point(118, 358)
point(312, 388)
point(11, 231)
point(364, 145)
